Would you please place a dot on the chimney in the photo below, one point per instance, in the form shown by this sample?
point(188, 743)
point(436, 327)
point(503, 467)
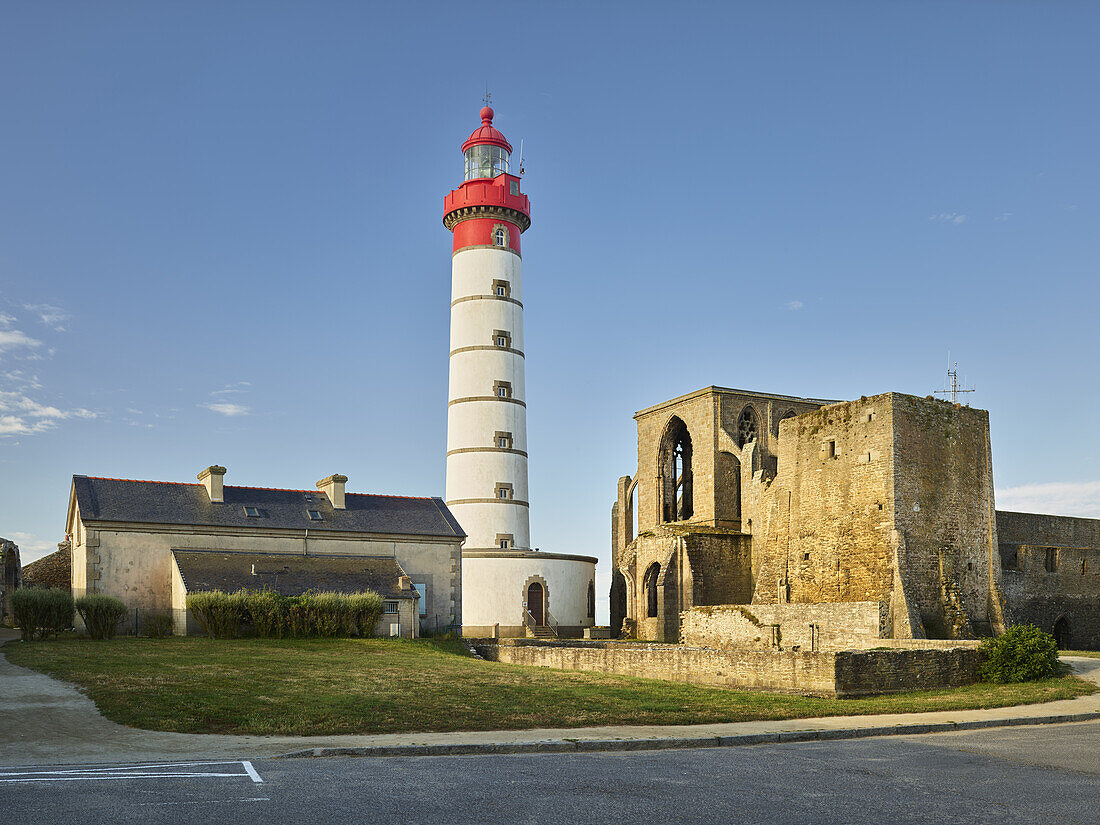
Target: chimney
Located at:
point(404, 583)
point(333, 487)
point(213, 478)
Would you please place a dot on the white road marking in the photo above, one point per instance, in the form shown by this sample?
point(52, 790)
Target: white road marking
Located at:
point(173, 770)
point(252, 772)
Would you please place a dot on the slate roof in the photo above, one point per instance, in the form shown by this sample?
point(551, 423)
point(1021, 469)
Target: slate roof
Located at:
point(220, 570)
point(165, 502)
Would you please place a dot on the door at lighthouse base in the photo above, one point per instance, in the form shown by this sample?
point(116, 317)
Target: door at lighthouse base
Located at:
point(535, 604)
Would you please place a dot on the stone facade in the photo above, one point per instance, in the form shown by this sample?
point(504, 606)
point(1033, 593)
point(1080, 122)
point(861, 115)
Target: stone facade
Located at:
point(840, 674)
point(1051, 575)
point(11, 577)
point(888, 500)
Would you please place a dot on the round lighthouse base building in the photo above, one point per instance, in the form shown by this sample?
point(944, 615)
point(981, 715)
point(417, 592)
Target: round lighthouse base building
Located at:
point(516, 593)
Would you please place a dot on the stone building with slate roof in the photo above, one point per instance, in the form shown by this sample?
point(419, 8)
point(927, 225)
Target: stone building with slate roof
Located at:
point(151, 542)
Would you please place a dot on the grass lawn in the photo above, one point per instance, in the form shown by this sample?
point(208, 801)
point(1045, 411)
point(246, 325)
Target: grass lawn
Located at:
point(344, 686)
point(1092, 654)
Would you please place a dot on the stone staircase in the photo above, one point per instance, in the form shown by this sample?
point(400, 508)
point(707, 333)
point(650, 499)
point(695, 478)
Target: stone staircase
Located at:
point(541, 632)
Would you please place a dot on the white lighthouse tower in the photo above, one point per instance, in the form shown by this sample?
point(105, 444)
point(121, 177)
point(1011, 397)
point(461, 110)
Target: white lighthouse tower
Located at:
point(507, 587)
point(486, 405)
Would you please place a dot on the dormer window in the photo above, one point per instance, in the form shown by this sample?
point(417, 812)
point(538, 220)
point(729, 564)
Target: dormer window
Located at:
point(252, 512)
point(315, 515)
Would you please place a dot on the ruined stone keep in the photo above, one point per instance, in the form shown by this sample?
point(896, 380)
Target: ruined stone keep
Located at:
point(821, 521)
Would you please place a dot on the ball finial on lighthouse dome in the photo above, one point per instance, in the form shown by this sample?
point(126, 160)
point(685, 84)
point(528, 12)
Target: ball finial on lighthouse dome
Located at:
point(487, 115)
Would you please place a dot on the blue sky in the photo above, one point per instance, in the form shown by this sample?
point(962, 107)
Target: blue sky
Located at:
point(221, 238)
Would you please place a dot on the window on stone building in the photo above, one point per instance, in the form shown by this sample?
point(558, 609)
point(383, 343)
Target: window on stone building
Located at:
point(500, 236)
point(1010, 556)
point(504, 441)
point(1051, 560)
point(502, 389)
point(676, 476)
point(502, 338)
point(746, 426)
point(649, 587)
point(502, 289)
point(829, 448)
point(389, 607)
point(591, 600)
point(504, 491)
point(505, 541)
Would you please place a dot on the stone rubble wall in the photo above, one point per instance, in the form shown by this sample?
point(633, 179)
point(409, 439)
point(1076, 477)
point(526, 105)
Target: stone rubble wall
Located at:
point(836, 626)
point(830, 673)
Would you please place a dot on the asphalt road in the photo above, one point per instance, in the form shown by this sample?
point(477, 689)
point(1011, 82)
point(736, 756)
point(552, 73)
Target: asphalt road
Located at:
point(1045, 774)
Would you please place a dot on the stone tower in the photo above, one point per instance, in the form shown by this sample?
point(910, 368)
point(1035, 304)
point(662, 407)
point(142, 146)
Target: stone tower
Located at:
point(486, 407)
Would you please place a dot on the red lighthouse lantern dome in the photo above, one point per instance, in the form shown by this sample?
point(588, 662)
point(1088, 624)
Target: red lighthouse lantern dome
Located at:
point(486, 149)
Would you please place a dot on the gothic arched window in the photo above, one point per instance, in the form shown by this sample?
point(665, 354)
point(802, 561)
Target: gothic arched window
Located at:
point(675, 469)
point(649, 587)
point(746, 427)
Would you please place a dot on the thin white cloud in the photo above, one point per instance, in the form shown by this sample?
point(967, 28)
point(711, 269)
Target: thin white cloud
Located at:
point(793, 306)
point(1004, 216)
point(229, 389)
point(51, 316)
point(1064, 498)
point(226, 408)
point(954, 218)
point(22, 415)
point(14, 338)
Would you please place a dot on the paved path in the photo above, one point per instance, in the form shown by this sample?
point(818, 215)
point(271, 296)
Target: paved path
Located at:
point(46, 722)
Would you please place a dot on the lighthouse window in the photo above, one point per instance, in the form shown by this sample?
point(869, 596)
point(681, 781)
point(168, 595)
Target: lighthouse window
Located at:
point(504, 440)
point(500, 237)
point(486, 162)
point(502, 338)
point(502, 289)
point(504, 491)
point(502, 389)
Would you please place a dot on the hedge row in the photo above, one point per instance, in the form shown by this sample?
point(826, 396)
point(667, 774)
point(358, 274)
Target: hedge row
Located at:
point(41, 612)
point(101, 614)
point(269, 615)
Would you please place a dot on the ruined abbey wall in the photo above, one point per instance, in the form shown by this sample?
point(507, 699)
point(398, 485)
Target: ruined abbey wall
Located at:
point(1051, 575)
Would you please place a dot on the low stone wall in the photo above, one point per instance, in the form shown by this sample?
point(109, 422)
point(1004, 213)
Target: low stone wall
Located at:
point(825, 626)
point(818, 673)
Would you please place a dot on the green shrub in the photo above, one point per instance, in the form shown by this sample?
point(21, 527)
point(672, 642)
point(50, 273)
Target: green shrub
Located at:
point(1020, 654)
point(219, 614)
point(267, 611)
point(40, 611)
point(101, 614)
point(158, 624)
point(269, 615)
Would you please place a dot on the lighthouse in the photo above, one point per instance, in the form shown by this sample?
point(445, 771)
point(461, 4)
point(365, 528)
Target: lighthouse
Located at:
point(508, 588)
point(486, 403)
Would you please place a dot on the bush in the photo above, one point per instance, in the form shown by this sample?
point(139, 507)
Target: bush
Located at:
point(41, 611)
point(219, 614)
point(158, 624)
point(1020, 654)
point(270, 615)
point(101, 614)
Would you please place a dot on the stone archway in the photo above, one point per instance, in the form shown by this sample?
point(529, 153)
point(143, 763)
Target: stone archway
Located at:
point(1062, 633)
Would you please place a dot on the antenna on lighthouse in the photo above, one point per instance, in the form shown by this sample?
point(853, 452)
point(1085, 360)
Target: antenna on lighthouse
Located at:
point(521, 157)
point(488, 97)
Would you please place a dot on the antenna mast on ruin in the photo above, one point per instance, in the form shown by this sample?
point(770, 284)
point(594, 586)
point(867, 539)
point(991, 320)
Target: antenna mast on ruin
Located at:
point(955, 389)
